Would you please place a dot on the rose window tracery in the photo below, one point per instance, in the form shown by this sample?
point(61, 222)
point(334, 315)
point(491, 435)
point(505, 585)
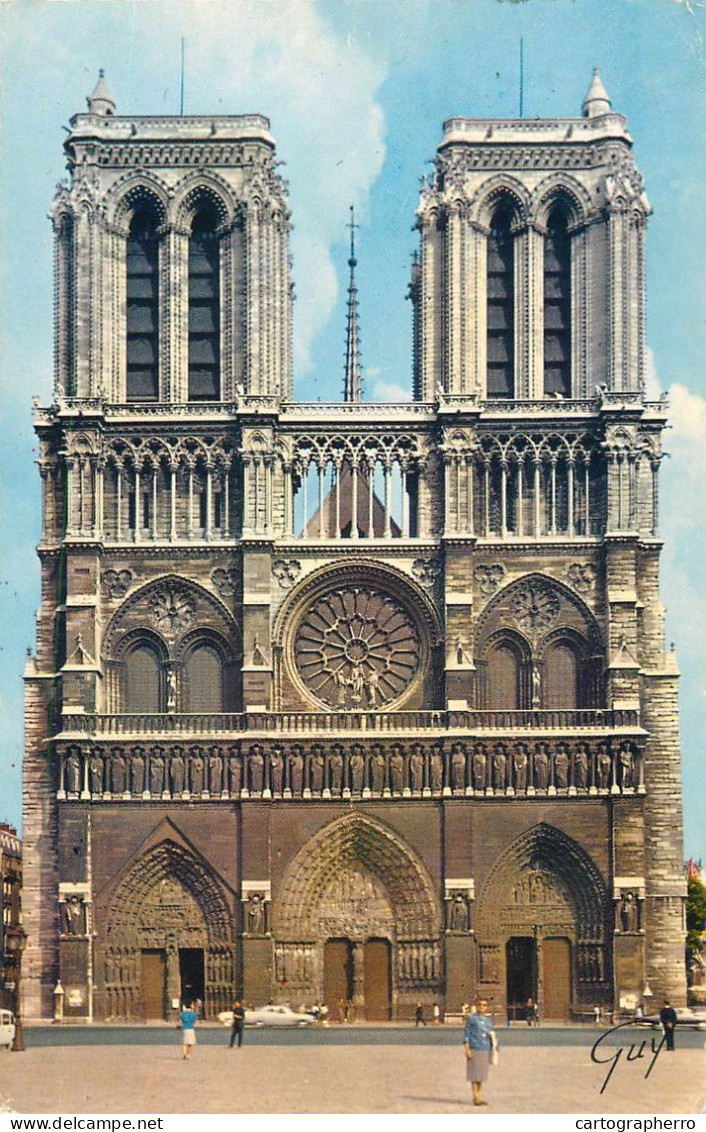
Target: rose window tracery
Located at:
point(535, 606)
point(357, 649)
point(172, 609)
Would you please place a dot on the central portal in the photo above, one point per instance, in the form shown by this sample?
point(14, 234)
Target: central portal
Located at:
point(351, 967)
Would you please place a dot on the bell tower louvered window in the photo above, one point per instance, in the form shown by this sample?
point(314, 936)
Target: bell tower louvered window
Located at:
point(557, 306)
point(204, 309)
point(142, 310)
point(501, 306)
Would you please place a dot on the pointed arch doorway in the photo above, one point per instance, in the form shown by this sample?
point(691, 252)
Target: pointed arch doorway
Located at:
point(357, 924)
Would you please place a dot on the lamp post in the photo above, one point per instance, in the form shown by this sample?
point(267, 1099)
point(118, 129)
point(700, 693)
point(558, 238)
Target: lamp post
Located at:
point(15, 940)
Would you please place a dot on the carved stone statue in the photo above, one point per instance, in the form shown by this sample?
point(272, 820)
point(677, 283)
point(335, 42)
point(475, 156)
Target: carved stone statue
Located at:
point(458, 768)
point(357, 770)
point(479, 769)
point(625, 762)
point(117, 773)
point(316, 770)
point(256, 768)
point(335, 771)
point(156, 772)
point(580, 768)
point(377, 771)
point(459, 914)
point(256, 915)
point(397, 770)
point(73, 920)
point(499, 768)
point(561, 768)
point(519, 765)
point(196, 771)
point(177, 772)
point(416, 770)
point(95, 768)
point(296, 771)
point(603, 767)
point(235, 772)
point(436, 770)
point(276, 770)
point(137, 771)
point(541, 767)
point(72, 771)
point(628, 912)
point(215, 771)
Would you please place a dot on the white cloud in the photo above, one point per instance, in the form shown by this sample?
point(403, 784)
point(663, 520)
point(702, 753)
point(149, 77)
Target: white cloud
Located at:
point(320, 93)
point(390, 391)
point(653, 385)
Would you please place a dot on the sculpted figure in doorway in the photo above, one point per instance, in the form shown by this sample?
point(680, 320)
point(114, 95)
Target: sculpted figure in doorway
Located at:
point(256, 915)
point(73, 921)
point(459, 914)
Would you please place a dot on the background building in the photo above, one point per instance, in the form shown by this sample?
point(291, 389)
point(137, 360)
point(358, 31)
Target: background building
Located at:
point(352, 702)
point(11, 877)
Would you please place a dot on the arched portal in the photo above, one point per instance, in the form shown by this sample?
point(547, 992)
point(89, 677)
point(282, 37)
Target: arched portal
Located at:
point(541, 927)
point(168, 937)
point(357, 921)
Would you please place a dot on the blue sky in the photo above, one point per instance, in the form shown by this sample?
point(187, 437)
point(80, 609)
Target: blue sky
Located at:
point(356, 91)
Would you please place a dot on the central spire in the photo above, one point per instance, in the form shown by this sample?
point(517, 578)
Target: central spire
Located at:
point(353, 384)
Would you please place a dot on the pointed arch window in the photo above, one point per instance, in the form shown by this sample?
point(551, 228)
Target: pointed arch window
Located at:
point(204, 308)
point(504, 677)
point(501, 306)
point(143, 680)
point(203, 679)
point(142, 308)
point(557, 305)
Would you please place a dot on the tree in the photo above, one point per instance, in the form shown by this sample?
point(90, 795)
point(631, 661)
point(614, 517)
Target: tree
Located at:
point(695, 913)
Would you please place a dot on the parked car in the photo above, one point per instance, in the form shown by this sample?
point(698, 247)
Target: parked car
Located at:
point(269, 1016)
point(686, 1020)
point(7, 1028)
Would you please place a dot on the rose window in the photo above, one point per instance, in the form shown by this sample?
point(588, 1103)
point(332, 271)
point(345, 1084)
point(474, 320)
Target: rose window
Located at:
point(535, 606)
point(357, 649)
point(172, 610)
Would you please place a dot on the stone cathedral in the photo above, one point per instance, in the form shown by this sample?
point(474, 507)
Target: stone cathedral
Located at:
point(350, 702)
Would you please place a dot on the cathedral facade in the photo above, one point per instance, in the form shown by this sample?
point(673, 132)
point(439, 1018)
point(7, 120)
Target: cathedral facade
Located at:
point(359, 703)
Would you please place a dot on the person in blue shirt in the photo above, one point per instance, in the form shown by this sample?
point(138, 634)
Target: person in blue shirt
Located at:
point(188, 1019)
point(479, 1041)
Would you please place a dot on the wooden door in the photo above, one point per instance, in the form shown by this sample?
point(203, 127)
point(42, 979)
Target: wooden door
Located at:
point(154, 984)
point(556, 968)
point(338, 975)
point(376, 966)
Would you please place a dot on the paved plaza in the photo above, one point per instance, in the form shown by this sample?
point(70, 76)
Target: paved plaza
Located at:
point(360, 1078)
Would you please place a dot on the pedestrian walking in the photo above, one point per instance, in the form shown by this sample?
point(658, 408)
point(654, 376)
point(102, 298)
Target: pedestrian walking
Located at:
point(238, 1024)
point(437, 1014)
point(481, 1048)
point(187, 1020)
point(419, 1019)
point(668, 1018)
